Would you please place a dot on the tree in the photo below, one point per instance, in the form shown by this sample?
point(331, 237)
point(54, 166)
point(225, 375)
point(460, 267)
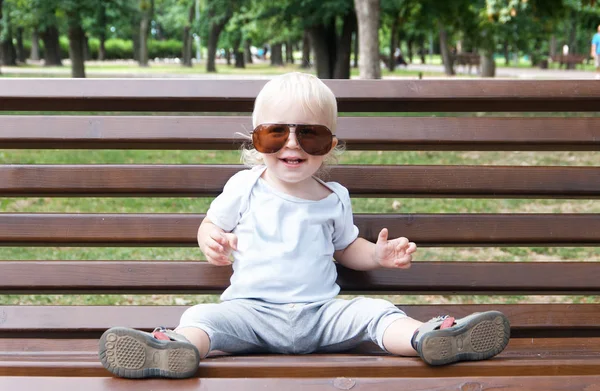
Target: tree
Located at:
point(367, 12)
point(146, 13)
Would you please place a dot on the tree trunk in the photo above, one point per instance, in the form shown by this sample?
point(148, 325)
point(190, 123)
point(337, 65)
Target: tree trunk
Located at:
point(247, 52)
point(488, 65)
point(506, 50)
point(135, 37)
point(305, 50)
point(422, 49)
point(0, 28)
point(289, 52)
point(344, 48)
point(553, 45)
point(393, 44)
point(8, 54)
point(573, 40)
point(76, 47)
point(21, 57)
point(277, 54)
point(147, 11)
point(51, 47)
point(409, 44)
point(355, 61)
point(367, 12)
point(35, 46)
point(238, 51)
point(187, 38)
point(213, 39)
point(323, 39)
point(446, 58)
point(102, 35)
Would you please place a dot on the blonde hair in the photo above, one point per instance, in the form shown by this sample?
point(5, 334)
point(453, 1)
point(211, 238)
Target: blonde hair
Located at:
point(294, 88)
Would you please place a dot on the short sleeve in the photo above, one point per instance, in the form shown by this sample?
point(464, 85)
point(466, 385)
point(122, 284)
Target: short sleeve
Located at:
point(226, 210)
point(344, 230)
point(596, 39)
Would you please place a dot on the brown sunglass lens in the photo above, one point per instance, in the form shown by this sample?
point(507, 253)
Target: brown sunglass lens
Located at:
point(314, 139)
point(270, 138)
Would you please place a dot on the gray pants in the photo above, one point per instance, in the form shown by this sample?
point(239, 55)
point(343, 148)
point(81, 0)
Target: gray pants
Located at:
point(254, 326)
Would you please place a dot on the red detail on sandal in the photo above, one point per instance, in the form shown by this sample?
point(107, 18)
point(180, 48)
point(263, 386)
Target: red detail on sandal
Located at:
point(160, 336)
point(447, 323)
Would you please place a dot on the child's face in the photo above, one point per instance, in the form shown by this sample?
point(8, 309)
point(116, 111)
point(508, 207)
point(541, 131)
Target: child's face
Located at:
point(291, 164)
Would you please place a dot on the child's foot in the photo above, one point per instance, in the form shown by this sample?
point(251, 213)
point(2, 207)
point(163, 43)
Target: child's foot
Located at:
point(136, 354)
point(479, 336)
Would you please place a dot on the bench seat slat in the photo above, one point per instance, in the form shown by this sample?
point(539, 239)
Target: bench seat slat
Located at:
point(46, 320)
point(219, 132)
point(151, 230)
point(505, 383)
point(362, 181)
point(200, 277)
point(239, 95)
point(517, 363)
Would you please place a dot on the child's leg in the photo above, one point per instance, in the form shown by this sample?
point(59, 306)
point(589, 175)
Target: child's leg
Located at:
point(197, 337)
point(397, 337)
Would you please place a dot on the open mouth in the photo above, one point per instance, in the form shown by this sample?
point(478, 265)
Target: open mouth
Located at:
point(292, 162)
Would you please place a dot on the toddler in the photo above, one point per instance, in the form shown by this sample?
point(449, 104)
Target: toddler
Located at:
point(283, 226)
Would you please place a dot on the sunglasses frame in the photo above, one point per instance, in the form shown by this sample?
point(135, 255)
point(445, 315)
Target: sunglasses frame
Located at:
point(286, 140)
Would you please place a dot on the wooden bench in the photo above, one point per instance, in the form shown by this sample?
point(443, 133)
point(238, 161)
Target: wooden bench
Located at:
point(468, 61)
point(570, 61)
point(553, 346)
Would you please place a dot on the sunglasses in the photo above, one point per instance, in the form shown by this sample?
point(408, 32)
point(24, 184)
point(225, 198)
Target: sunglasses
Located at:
point(315, 140)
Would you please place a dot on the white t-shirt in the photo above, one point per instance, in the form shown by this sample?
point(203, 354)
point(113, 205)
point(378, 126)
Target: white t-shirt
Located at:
point(285, 243)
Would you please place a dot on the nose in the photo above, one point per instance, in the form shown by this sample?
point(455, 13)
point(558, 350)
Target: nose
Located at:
point(292, 141)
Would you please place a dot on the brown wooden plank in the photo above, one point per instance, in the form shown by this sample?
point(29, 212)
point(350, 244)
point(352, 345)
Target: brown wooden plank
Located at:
point(45, 320)
point(521, 383)
point(57, 347)
point(200, 277)
point(358, 133)
point(333, 365)
point(151, 230)
point(353, 95)
point(362, 181)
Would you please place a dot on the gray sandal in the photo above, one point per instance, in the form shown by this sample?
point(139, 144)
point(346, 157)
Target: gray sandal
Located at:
point(136, 354)
point(444, 340)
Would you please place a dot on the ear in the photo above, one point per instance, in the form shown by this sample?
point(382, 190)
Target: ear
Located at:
point(334, 142)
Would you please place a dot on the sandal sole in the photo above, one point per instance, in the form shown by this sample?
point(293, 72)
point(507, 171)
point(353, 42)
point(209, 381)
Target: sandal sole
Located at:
point(134, 354)
point(480, 338)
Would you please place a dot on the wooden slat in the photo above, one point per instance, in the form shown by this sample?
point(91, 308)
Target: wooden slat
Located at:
point(353, 95)
point(45, 320)
point(521, 383)
point(152, 230)
point(560, 363)
point(362, 181)
point(358, 133)
point(423, 277)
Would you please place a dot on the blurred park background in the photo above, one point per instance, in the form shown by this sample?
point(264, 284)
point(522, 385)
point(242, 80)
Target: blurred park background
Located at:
point(331, 38)
point(261, 38)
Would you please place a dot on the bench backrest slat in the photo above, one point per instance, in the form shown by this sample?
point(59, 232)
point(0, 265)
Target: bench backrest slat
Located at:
point(192, 277)
point(238, 95)
point(470, 229)
point(362, 181)
point(358, 133)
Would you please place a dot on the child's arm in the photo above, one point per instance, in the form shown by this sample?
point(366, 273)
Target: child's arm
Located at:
point(215, 243)
point(364, 255)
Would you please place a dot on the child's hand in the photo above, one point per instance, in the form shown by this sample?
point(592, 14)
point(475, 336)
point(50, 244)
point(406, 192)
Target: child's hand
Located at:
point(219, 246)
point(393, 253)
